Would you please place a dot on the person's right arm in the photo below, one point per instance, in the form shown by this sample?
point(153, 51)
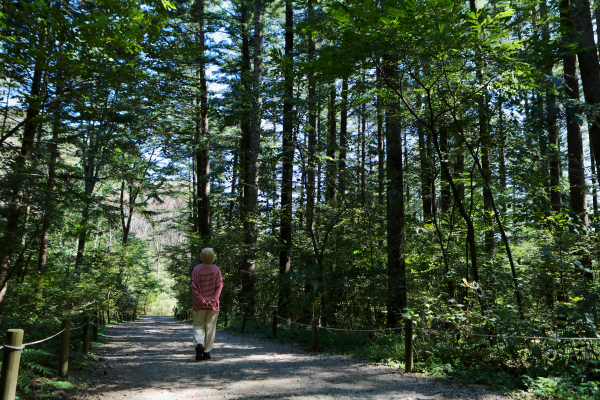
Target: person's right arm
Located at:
point(196, 290)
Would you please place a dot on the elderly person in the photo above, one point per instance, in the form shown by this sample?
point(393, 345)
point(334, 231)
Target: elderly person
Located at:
point(207, 283)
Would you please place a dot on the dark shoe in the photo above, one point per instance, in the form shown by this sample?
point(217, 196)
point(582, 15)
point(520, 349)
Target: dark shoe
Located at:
point(200, 352)
point(206, 356)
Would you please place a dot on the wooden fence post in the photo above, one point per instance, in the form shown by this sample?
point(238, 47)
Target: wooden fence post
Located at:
point(86, 334)
point(315, 335)
point(95, 328)
point(10, 364)
point(243, 324)
point(274, 323)
point(63, 361)
point(408, 345)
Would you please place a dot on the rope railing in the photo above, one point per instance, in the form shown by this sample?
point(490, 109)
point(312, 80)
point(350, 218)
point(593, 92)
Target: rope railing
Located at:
point(507, 337)
point(342, 329)
point(445, 332)
point(79, 327)
point(436, 331)
point(14, 345)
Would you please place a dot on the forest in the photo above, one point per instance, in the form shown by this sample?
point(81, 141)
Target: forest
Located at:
point(357, 162)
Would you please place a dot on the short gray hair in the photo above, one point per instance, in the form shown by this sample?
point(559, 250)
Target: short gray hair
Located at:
point(207, 255)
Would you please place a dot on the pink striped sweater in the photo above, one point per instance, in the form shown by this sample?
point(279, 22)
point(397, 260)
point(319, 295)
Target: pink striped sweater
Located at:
point(207, 283)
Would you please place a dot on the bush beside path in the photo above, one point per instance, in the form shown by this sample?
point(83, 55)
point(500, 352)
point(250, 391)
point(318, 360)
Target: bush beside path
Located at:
point(153, 359)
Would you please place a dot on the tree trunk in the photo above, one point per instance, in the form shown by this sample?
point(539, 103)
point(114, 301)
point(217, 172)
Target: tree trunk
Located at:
point(343, 139)
point(380, 159)
point(90, 184)
point(588, 64)
point(202, 154)
point(331, 170)
point(551, 120)
point(445, 186)
point(426, 170)
point(233, 183)
point(250, 151)
point(502, 149)
point(49, 206)
point(288, 166)
point(396, 268)
point(16, 203)
point(576, 166)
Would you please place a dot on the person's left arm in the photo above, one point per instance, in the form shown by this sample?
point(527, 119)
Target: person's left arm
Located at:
point(218, 287)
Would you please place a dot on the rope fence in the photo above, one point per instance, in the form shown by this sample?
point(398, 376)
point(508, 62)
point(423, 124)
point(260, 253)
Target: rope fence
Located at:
point(464, 333)
point(14, 345)
point(341, 329)
point(408, 330)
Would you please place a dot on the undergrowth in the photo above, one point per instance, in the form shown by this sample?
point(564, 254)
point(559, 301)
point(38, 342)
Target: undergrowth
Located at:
point(38, 369)
point(502, 367)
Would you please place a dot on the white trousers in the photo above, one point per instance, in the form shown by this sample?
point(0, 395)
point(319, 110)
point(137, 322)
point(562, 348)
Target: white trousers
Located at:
point(205, 326)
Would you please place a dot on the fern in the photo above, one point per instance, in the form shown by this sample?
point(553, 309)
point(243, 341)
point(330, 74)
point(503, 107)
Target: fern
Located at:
point(24, 380)
point(35, 355)
point(39, 369)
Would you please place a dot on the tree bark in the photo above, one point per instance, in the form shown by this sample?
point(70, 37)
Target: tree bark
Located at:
point(15, 208)
point(396, 268)
point(445, 186)
point(288, 164)
point(202, 153)
point(380, 158)
point(426, 170)
point(49, 198)
point(343, 139)
point(250, 152)
point(588, 64)
point(576, 166)
point(331, 170)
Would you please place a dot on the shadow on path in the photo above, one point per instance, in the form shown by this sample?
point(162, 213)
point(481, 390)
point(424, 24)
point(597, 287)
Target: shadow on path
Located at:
point(153, 358)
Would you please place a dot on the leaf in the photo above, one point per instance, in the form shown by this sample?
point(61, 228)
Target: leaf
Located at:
point(168, 5)
point(505, 14)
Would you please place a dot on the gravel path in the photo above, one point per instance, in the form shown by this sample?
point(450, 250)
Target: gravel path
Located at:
point(153, 359)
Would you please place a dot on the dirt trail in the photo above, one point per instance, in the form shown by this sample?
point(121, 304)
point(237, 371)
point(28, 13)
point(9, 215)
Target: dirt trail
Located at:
point(153, 359)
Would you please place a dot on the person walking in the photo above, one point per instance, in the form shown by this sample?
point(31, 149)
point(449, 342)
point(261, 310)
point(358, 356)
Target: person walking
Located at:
point(207, 284)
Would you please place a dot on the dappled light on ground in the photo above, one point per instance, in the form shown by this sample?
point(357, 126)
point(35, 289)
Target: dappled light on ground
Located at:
point(153, 358)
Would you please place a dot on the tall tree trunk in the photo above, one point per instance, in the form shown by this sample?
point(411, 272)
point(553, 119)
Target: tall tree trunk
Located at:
point(588, 64)
point(363, 150)
point(380, 158)
point(576, 165)
point(594, 186)
point(49, 198)
point(502, 149)
point(234, 179)
point(396, 268)
point(250, 151)
point(202, 154)
point(331, 170)
point(343, 139)
point(445, 186)
point(288, 164)
point(484, 136)
point(426, 169)
point(551, 120)
point(311, 159)
point(90, 176)
point(15, 208)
